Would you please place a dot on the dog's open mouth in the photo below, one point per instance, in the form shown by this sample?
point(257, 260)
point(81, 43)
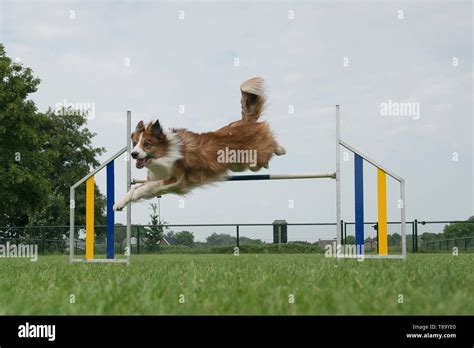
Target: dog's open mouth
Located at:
point(141, 162)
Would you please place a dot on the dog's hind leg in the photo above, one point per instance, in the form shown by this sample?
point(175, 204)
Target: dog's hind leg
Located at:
point(280, 151)
point(256, 168)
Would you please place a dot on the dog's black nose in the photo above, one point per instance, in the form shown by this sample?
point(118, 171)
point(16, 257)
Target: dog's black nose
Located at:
point(134, 154)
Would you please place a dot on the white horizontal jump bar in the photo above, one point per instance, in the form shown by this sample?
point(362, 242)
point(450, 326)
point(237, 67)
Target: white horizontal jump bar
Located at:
point(329, 175)
point(304, 176)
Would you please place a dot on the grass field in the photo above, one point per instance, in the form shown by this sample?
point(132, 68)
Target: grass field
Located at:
point(245, 284)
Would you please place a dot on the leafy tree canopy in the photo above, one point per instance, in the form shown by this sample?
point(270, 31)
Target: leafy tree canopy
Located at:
point(459, 229)
point(42, 154)
point(184, 238)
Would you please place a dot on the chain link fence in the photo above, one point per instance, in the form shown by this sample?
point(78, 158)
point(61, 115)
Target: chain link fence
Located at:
point(436, 236)
point(422, 236)
point(371, 236)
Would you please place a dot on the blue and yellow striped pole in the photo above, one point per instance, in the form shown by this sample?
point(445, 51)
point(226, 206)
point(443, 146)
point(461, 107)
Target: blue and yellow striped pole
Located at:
point(110, 210)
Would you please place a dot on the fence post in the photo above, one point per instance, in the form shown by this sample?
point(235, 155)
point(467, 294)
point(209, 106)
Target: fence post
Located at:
point(342, 233)
point(414, 236)
point(237, 234)
point(345, 233)
point(279, 237)
point(377, 230)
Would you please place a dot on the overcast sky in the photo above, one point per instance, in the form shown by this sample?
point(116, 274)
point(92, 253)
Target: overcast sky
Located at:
point(145, 57)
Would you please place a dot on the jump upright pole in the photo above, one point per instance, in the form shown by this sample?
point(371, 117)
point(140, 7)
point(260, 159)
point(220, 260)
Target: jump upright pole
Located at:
point(338, 180)
point(382, 172)
point(110, 210)
point(129, 180)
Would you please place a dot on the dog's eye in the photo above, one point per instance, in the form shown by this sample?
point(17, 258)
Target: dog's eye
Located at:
point(134, 143)
point(146, 144)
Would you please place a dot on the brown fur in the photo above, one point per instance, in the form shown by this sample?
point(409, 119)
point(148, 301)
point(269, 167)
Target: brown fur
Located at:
point(153, 136)
point(199, 163)
point(182, 160)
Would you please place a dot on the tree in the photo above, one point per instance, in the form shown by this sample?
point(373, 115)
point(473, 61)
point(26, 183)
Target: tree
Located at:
point(459, 229)
point(171, 237)
point(42, 155)
point(156, 231)
point(246, 240)
point(184, 238)
point(23, 188)
point(350, 240)
point(428, 236)
point(70, 156)
point(395, 239)
point(220, 239)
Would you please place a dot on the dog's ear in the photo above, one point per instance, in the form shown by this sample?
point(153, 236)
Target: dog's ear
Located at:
point(157, 130)
point(140, 126)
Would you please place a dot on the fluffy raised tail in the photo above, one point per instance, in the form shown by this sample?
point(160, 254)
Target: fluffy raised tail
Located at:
point(253, 99)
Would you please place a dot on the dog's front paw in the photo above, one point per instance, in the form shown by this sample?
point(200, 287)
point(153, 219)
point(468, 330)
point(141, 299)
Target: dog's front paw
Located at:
point(120, 205)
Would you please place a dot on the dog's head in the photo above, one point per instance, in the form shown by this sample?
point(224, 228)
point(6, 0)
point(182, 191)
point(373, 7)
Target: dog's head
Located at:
point(149, 142)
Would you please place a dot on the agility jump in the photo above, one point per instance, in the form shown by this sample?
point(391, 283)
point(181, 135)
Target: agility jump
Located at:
point(110, 228)
point(382, 172)
point(359, 159)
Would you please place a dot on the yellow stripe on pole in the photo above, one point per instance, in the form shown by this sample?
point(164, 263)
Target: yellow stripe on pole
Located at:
point(382, 210)
point(90, 218)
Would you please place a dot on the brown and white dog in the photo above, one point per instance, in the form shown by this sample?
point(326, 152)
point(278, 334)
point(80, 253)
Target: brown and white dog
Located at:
point(179, 160)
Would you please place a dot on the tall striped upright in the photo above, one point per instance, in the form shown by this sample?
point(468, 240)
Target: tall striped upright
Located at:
point(110, 210)
point(359, 203)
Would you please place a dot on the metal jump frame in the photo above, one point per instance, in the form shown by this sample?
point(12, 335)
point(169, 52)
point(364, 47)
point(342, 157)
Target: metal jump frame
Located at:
point(329, 175)
point(126, 149)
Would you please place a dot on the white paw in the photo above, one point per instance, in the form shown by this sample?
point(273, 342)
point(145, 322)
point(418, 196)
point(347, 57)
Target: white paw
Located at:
point(119, 205)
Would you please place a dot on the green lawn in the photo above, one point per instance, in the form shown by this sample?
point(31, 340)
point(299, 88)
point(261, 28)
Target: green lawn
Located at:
point(245, 284)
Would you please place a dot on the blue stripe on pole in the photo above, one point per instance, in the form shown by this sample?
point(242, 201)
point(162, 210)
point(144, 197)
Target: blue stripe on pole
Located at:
point(110, 210)
point(359, 203)
point(248, 177)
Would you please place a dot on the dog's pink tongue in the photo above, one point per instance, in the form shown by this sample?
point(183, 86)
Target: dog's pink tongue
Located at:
point(140, 162)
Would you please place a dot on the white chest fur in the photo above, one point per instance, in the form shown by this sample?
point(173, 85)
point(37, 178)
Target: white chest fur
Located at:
point(158, 170)
point(161, 168)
